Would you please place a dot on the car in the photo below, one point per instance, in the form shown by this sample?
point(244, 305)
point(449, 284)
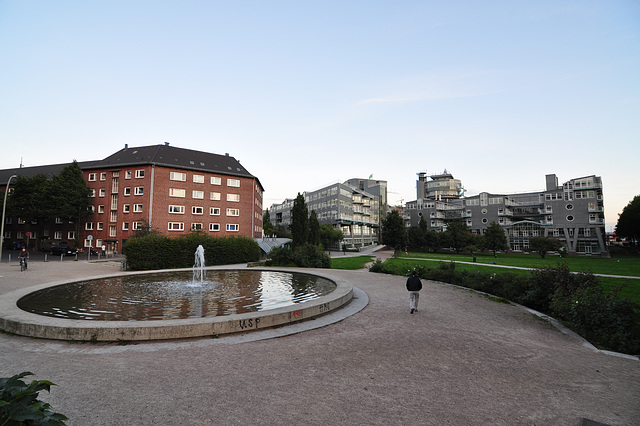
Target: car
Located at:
point(13, 245)
point(63, 249)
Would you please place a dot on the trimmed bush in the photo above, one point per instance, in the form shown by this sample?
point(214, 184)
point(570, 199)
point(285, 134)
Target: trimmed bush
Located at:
point(156, 251)
point(306, 256)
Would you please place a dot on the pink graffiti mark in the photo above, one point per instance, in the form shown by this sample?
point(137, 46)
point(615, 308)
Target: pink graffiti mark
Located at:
point(296, 314)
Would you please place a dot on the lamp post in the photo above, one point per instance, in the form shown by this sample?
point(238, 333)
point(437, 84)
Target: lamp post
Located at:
point(4, 207)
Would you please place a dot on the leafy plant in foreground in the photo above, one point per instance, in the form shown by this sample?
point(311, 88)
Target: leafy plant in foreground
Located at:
point(19, 404)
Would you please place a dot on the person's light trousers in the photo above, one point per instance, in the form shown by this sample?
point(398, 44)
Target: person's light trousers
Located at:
point(413, 299)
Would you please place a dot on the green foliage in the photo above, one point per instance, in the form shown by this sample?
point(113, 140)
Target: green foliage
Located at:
point(394, 233)
point(628, 225)
point(314, 229)
point(605, 319)
point(494, 238)
point(459, 235)
point(19, 404)
point(306, 256)
point(156, 251)
point(267, 226)
point(329, 235)
point(543, 245)
point(350, 263)
point(299, 222)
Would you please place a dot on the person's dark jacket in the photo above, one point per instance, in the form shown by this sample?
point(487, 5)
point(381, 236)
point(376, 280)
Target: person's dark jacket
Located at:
point(414, 283)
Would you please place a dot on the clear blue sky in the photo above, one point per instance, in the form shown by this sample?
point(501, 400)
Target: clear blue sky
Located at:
point(307, 93)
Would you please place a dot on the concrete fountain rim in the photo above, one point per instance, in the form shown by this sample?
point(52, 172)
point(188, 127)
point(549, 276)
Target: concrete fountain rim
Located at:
point(17, 321)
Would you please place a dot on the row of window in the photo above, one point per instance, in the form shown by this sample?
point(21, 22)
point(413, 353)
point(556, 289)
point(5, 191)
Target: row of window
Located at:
point(127, 175)
point(214, 180)
point(138, 190)
point(199, 195)
point(213, 211)
point(213, 227)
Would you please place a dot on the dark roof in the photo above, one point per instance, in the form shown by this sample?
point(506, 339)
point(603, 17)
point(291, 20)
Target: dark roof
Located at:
point(48, 170)
point(159, 155)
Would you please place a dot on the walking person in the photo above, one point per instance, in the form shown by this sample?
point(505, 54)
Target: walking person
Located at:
point(414, 285)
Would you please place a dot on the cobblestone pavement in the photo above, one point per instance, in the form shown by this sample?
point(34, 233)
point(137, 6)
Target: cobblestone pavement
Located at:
point(461, 360)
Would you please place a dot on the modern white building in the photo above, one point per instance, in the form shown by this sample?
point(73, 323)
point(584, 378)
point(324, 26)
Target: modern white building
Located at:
point(572, 212)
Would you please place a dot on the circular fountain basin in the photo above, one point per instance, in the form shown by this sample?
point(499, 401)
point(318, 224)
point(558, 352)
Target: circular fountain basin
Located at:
point(159, 305)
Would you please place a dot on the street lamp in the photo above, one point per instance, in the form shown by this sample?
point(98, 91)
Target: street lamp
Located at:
point(4, 207)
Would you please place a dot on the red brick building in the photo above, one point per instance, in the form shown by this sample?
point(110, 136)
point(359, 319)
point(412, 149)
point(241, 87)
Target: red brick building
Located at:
point(173, 190)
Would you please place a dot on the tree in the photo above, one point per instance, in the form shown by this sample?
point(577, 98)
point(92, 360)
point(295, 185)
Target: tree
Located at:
point(628, 225)
point(299, 222)
point(267, 226)
point(543, 245)
point(494, 238)
point(71, 195)
point(329, 235)
point(416, 238)
point(394, 233)
point(435, 240)
point(459, 235)
point(314, 229)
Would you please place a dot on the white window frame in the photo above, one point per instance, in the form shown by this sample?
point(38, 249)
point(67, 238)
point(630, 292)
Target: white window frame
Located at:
point(92, 177)
point(233, 212)
point(127, 174)
point(88, 226)
point(176, 226)
point(179, 176)
point(233, 198)
point(233, 227)
point(102, 192)
point(175, 209)
point(139, 190)
point(214, 196)
point(137, 208)
point(197, 210)
point(214, 227)
point(197, 195)
point(125, 226)
point(126, 208)
point(233, 182)
point(214, 211)
point(127, 191)
point(140, 174)
point(197, 227)
point(177, 192)
point(216, 180)
point(103, 176)
point(198, 178)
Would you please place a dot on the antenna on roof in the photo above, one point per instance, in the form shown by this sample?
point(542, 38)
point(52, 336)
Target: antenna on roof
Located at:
point(166, 143)
point(20, 162)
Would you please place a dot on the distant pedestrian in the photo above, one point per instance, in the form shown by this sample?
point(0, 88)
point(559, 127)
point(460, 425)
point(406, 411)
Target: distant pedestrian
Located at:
point(104, 250)
point(414, 285)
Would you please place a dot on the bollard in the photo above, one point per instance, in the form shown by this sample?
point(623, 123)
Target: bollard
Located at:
point(9, 257)
point(123, 265)
point(61, 257)
point(45, 257)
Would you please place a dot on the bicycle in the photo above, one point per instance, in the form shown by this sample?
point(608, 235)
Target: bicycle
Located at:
point(23, 264)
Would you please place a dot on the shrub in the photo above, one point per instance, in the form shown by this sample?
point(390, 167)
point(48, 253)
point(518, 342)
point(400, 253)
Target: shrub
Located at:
point(19, 404)
point(306, 256)
point(156, 251)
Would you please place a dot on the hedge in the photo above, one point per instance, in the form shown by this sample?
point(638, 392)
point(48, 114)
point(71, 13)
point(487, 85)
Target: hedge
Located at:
point(156, 251)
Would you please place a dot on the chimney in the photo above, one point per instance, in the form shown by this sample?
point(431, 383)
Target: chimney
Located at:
point(166, 143)
point(126, 145)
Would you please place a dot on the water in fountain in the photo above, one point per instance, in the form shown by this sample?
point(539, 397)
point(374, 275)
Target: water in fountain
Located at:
point(198, 266)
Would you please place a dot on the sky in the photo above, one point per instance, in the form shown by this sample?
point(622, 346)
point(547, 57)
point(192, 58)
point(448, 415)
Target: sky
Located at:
point(308, 93)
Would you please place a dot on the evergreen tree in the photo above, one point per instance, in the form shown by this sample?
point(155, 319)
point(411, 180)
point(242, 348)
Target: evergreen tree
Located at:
point(267, 226)
point(394, 233)
point(628, 225)
point(314, 229)
point(542, 245)
point(494, 238)
point(299, 222)
point(459, 235)
point(71, 195)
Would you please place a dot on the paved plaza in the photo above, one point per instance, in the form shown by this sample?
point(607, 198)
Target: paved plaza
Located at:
point(461, 360)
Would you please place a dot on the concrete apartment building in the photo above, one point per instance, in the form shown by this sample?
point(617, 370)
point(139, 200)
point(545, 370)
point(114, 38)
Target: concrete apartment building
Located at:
point(173, 190)
point(356, 207)
point(572, 212)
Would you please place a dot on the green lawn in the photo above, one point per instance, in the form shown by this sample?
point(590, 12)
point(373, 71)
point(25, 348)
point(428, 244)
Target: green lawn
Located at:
point(350, 263)
point(618, 265)
point(631, 289)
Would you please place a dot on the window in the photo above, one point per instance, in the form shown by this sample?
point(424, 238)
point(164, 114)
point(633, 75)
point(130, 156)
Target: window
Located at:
point(127, 174)
point(139, 174)
point(232, 227)
point(92, 177)
point(71, 235)
point(88, 226)
point(178, 176)
point(112, 231)
point(101, 208)
point(214, 211)
point(93, 193)
point(57, 235)
point(214, 227)
point(137, 208)
point(233, 212)
point(127, 191)
point(570, 218)
point(100, 226)
point(197, 210)
point(103, 176)
point(176, 209)
point(176, 226)
point(233, 182)
point(196, 227)
point(113, 217)
point(125, 208)
point(175, 192)
point(569, 206)
point(233, 197)
point(137, 226)
point(103, 192)
point(215, 196)
point(125, 226)
point(198, 179)
point(216, 180)
point(199, 195)
point(139, 190)
point(58, 220)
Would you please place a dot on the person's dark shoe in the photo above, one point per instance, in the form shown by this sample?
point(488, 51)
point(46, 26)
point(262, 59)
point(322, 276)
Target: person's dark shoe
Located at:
point(411, 311)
